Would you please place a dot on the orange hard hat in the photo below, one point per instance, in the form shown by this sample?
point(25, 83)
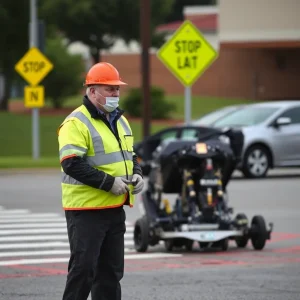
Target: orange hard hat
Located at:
point(103, 73)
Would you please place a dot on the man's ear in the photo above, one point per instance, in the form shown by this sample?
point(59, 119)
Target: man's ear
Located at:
point(93, 89)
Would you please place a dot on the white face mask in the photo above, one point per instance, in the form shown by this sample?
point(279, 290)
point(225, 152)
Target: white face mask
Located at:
point(111, 103)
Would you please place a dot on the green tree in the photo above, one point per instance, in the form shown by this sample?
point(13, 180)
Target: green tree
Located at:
point(14, 20)
point(98, 23)
point(161, 108)
point(87, 21)
point(66, 78)
point(127, 25)
point(95, 23)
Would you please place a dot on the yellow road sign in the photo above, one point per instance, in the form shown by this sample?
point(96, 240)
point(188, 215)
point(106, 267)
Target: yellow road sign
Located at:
point(34, 96)
point(33, 66)
point(187, 53)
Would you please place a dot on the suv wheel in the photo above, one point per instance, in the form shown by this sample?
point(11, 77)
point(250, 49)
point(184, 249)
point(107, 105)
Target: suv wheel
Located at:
point(256, 162)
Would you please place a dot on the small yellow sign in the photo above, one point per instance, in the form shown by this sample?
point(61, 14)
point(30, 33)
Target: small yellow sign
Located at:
point(33, 66)
point(34, 96)
point(187, 54)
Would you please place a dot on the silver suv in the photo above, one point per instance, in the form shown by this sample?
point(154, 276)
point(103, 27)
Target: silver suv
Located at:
point(272, 135)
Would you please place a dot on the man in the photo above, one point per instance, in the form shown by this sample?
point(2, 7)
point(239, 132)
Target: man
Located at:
point(100, 174)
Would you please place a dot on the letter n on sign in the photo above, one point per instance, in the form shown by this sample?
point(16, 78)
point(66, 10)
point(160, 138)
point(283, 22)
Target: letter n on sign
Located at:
point(34, 96)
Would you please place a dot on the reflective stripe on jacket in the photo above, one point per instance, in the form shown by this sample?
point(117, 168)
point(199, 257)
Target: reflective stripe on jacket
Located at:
point(92, 140)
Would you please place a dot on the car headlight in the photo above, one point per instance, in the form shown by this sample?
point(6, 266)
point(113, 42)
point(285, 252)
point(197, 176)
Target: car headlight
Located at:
point(224, 139)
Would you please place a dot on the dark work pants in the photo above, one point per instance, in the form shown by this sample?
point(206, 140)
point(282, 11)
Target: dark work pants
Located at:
point(97, 254)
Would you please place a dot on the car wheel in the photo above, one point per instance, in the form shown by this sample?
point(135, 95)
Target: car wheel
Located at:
point(256, 162)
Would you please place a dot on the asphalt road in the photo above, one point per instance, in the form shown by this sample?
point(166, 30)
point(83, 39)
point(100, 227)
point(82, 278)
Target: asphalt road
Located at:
point(31, 206)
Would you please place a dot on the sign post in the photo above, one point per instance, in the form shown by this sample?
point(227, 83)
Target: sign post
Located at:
point(33, 67)
point(187, 54)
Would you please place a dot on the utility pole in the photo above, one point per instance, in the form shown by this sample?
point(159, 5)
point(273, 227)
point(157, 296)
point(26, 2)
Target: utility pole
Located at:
point(145, 19)
point(33, 42)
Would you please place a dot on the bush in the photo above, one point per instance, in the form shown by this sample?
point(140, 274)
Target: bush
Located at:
point(160, 108)
point(66, 77)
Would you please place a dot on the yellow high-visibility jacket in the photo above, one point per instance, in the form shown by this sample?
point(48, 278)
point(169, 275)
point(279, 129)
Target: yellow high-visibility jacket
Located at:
point(81, 135)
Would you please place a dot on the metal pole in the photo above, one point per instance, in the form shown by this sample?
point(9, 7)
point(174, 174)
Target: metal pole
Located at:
point(33, 42)
point(187, 110)
point(145, 17)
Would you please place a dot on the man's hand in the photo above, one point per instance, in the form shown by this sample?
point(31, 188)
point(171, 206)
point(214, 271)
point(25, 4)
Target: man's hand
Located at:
point(119, 187)
point(138, 183)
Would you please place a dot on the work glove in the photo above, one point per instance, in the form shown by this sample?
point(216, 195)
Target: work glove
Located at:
point(138, 183)
point(119, 187)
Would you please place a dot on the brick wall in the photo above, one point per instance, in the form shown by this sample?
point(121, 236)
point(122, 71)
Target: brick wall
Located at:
point(246, 73)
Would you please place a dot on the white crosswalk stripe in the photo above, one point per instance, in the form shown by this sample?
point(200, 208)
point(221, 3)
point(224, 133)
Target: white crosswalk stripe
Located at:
point(41, 238)
point(28, 220)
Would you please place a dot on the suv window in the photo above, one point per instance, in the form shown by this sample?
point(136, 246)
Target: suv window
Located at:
point(247, 116)
point(293, 113)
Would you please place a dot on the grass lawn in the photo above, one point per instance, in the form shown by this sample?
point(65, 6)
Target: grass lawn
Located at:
point(25, 162)
point(16, 139)
point(199, 105)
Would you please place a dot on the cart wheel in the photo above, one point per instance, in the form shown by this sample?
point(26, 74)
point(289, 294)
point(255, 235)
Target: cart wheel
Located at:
point(141, 235)
point(241, 221)
point(224, 244)
point(203, 245)
point(242, 241)
point(189, 245)
point(258, 232)
point(169, 244)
